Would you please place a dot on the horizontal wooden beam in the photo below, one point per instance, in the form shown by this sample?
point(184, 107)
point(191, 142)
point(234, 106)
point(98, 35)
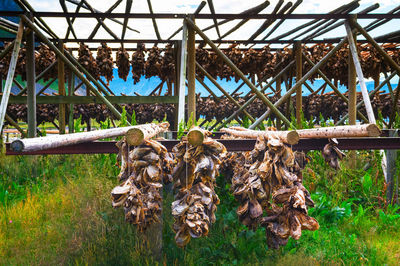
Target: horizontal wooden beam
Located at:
point(93, 99)
point(201, 16)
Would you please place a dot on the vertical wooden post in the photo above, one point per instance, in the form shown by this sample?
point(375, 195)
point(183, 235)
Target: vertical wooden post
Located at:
point(278, 90)
point(352, 109)
point(61, 89)
point(191, 68)
point(182, 75)
point(391, 156)
point(176, 82)
point(299, 74)
point(71, 87)
point(31, 83)
point(352, 88)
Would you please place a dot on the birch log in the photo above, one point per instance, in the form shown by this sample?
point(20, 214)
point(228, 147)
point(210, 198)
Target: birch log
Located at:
point(196, 136)
point(137, 134)
point(48, 142)
point(367, 130)
point(289, 137)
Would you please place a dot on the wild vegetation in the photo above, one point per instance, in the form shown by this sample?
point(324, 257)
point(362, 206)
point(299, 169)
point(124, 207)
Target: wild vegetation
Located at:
point(57, 210)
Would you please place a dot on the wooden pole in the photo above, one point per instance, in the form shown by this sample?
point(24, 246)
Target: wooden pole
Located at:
point(191, 68)
point(391, 156)
point(237, 112)
point(357, 65)
point(31, 83)
point(299, 83)
point(227, 95)
point(154, 20)
point(15, 124)
point(278, 90)
point(354, 131)
point(48, 142)
point(182, 75)
point(7, 49)
point(289, 137)
point(71, 85)
point(238, 72)
point(197, 11)
point(137, 134)
point(61, 90)
point(334, 87)
point(10, 74)
point(352, 89)
point(299, 73)
point(71, 66)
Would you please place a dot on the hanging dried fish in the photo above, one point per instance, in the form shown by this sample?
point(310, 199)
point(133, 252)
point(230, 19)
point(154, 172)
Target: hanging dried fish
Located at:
point(168, 63)
point(123, 63)
point(141, 174)
point(153, 63)
point(105, 62)
point(138, 63)
point(332, 154)
point(269, 180)
point(194, 179)
point(85, 58)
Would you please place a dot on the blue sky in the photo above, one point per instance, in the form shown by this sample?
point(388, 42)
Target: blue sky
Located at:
point(84, 26)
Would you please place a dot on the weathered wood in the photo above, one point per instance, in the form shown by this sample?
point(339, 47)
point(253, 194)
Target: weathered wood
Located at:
point(61, 89)
point(137, 134)
point(10, 74)
point(289, 137)
point(219, 87)
point(314, 69)
point(154, 20)
point(352, 89)
point(391, 156)
point(71, 86)
point(196, 136)
point(197, 11)
point(48, 142)
point(357, 65)
point(238, 72)
point(182, 75)
point(31, 83)
point(15, 124)
point(237, 112)
point(299, 73)
point(191, 76)
point(70, 65)
point(212, 10)
point(351, 131)
point(334, 87)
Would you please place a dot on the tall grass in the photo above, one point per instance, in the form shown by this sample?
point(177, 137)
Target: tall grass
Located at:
point(57, 210)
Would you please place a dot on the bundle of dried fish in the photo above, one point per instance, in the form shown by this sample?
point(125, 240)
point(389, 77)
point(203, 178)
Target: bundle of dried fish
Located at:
point(138, 62)
point(194, 178)
point(45, 58)
point(105, 62)
point(123, 63)
point(332, 154)
point(168, 63)
point(85, 58)
point(153, 63)
point(270, 182)
point(141, 176)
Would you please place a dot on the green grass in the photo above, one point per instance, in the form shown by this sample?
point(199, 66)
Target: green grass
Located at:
point(57, 210)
